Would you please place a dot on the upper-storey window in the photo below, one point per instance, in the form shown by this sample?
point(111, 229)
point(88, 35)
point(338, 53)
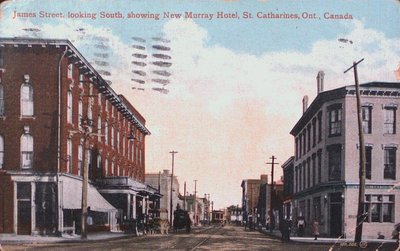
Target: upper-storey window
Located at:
point(368, 162)
point(26, 100)
point(367, 119)
point(314, 132)
point(389, 120)
point(80, 159)
point(335, 162)
point(335, 120)
point(80, 113)
point(389, 171)
point(1, 99)
point(69, 107)
point(26, 151)
point(69, 156)
point(1, 152)
point(319, 123)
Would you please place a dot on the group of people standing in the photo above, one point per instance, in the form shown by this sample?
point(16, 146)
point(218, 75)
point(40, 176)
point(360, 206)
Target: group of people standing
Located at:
point(286, 228)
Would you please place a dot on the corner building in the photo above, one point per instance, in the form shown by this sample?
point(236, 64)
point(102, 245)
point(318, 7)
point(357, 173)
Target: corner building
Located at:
point(326, 162)
point(49, 96)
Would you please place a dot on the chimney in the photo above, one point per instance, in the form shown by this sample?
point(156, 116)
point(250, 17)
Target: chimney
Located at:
point(305, 103)
point(320, 81)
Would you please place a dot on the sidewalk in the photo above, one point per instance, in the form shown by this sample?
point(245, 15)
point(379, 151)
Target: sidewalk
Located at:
point(28, 239)
point(324, 240)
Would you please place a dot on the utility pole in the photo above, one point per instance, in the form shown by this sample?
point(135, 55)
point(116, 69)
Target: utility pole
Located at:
point(271, 213)
point(361, 189)
point(172, 183)
point(195, 202)
point(85, 174)
point(184, 195)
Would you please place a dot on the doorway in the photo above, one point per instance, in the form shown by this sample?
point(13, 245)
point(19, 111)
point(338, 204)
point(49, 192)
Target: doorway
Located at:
point(336, 214)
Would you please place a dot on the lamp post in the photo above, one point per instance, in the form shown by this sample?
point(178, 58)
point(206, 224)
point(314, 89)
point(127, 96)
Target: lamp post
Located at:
point(172, 182)
point(195, 202)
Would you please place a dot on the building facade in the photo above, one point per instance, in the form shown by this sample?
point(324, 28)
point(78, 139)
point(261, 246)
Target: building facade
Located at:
point(56, 115)
point(250, 197)
point(288, 185)
point(326, 162)
point(162, 181)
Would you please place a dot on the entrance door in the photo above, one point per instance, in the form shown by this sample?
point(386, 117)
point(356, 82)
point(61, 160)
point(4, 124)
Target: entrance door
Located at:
point(336, 215)
point(24, 218)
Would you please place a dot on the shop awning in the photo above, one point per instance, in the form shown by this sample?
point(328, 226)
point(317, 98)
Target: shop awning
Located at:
point(72, 196)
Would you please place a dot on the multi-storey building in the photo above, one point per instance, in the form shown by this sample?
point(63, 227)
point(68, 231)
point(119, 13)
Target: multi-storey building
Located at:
point(52, 101)
point(288, 172)
point(250, 197)
point(326, 164)
point(163, 182)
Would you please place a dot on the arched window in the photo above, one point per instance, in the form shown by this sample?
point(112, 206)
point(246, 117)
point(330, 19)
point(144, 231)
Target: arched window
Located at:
point(26, 100)
point(1, 99)
point(1, 152)
point(26, 151)
point(69, 107)
point(106, 167)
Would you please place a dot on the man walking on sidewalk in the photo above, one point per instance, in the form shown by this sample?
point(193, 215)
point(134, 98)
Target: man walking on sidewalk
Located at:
point(315, 228)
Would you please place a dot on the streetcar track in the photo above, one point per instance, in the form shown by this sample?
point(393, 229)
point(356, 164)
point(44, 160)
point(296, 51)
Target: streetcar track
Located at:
point(208, 238)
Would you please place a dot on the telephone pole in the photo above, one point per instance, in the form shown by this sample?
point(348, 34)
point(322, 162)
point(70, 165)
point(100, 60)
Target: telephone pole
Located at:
point(172, 183)
point(195, 202)
point(271, 214)
point(361, 190)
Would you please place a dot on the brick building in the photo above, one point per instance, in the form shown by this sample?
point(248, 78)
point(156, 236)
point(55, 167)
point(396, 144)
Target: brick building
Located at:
point(326, 163)
point(250, 197)
point(49, 96)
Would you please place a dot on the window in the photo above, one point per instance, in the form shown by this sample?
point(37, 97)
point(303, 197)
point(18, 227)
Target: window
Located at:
point(319, 122)
point(317, 208)
point(69, 156)
point(296, 146)
point(106, 132)
point(69, 107)
point(314, 132)
point(304, 141)
point(389, 163)
point(308, 173)
point(80, 113)
point(26, 151)
point(335, 120)
point(99, 161)
point(308, 137)
point(112, 137)
point(368, 162)
point(314, 170)
point(80, 159)
point(319, 164)
point(379, 208)
point(334, 162)
point(26, 100)
point(112, 167)
point(117, 146)
point(1, 99)
point(304, 174)
point(1, 152)
point(389, 120)
point(106, 167)
point(99, 128)
point(366, 113)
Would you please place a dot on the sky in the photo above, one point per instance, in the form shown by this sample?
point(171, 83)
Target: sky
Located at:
point(236, 83)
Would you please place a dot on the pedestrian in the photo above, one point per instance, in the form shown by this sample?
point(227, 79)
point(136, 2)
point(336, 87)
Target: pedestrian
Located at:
point(300, 226)
point(316, 228)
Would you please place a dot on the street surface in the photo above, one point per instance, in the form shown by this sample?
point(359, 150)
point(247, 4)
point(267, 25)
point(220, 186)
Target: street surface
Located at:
point(210, 238)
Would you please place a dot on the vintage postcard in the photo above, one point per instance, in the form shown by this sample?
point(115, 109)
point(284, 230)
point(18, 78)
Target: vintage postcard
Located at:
point(199, 125)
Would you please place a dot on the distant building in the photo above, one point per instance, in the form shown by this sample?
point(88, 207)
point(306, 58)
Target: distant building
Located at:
point(288, 172)
point(250, 196)
point(162, 181)
point(49, 97)
point(326, 162)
